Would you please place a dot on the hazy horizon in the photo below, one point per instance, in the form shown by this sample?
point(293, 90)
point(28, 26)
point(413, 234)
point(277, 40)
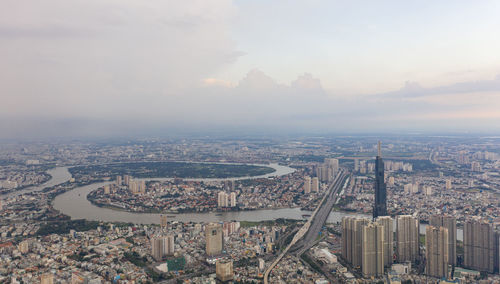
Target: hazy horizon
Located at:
point(125, 68)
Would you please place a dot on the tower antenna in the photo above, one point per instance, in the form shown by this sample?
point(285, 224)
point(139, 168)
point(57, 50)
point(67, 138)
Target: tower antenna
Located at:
point(379, 152)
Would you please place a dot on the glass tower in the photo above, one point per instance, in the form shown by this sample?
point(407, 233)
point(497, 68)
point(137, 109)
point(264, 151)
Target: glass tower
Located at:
point(380, 206)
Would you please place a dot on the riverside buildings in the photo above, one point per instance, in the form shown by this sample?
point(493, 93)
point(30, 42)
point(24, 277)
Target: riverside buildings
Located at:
point(225, 200)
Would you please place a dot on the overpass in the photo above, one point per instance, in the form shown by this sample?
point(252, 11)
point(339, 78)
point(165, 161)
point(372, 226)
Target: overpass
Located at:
point(305, 237)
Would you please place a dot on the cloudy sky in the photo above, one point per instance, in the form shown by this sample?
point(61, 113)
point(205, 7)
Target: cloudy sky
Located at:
point(96, 67)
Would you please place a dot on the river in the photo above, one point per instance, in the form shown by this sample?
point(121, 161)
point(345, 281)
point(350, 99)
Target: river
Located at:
point(74, 203)
point(58, 175)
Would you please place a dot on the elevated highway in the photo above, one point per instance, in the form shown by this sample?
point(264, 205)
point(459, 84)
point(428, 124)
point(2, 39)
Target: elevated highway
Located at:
point(306, 236)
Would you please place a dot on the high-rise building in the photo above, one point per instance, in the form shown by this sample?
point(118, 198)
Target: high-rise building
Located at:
point(47, 278)
point(479, 245)
point(448, 184)
point(327, 171)
point(23, 247)
point(436, 251)
point(391, 181)
point(407, 238)
point(387, 223)
point(332, 167)
point(118, 180)
point(133, 186)
point(214, 239)
point(224, 270)
point(380, 206)
point(106, 189)
point(307, 184)
point(163, 221)
point(449, 223)
point(171, 245)
point(372, 250)
point(157, 245)
point(142, 186)
point(162, 246)
point(126, 179)
point(315, 184)
point(352, 239)
point(232, 198)
point(475, 166)
point(222, 199)
point(262, 265)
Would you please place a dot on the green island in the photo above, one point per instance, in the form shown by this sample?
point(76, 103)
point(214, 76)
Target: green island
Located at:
point(170, 170)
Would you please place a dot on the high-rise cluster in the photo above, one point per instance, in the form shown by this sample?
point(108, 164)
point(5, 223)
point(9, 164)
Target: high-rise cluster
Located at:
point(327, 171)
point(366, 244)
point(370, 244)
point(225, 200)
point(310, 184)
point(162, 246)
point(136, 187)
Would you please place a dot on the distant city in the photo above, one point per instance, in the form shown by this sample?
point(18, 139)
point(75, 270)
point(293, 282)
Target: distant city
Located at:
point(413, 209)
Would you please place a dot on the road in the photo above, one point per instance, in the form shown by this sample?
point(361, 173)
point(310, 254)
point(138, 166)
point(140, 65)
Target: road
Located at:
point(320, 218)
point(313, 226)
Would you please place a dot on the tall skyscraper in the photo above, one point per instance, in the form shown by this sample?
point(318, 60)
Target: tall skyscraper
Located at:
point(407, 246)
point(387, 223)
point(352, 239)
point(380, 206)
point(449, 223)
point(214, 239)
point(436, 245)
point(479, 245)
point(372, 250)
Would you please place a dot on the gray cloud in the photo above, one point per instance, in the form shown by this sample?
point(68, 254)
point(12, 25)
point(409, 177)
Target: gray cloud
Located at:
point(413, 89)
